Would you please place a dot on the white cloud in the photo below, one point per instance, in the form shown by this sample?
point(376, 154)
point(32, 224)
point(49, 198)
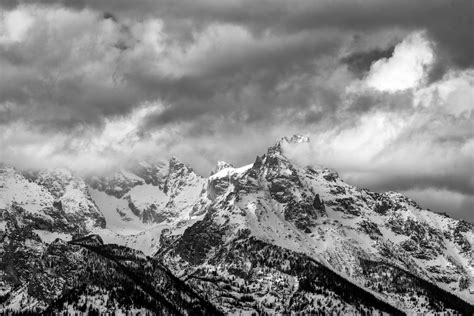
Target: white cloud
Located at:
point(14, 26)
point(85, 149)
point(405, 69)
point(354, 147)
point(454, 94)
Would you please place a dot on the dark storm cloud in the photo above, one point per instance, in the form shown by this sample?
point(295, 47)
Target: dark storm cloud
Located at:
point(263, 65)
point(43, 76)
point(360, 62)
point(450, 23)
point(215, 86)
point(243, 80)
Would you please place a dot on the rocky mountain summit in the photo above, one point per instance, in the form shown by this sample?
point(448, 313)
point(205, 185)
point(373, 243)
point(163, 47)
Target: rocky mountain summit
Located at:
point(271, 237)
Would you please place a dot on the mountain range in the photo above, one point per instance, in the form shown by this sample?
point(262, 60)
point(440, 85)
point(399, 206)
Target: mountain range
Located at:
point(271, 237)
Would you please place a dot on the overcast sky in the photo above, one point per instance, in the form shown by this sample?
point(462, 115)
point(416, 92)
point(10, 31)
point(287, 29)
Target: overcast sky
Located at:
point(384, 89)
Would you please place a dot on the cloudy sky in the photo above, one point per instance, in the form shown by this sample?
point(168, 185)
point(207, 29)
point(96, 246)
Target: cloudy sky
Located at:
point(384, 89)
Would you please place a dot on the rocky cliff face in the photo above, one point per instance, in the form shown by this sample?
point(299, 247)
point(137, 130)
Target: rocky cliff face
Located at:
point(270, 237)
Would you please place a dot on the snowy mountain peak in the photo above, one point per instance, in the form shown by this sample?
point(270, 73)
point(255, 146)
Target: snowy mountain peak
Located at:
point(57, 180)
point(179, 175)
point(298, 138)
point(222, 165)
point(177, 166)
point(295, 139)
point(277, 148)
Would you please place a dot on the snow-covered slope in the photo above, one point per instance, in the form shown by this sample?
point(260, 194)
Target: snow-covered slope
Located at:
point(53, 200)
point(150, 193)
point(147, 198)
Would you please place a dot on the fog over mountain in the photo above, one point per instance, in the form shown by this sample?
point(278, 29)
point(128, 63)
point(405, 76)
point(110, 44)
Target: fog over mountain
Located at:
point(384, 90)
